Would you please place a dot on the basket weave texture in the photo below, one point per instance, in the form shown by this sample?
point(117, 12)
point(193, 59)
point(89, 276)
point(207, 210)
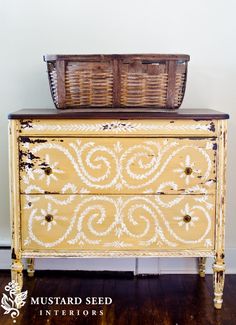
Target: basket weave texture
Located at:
point(151, 80)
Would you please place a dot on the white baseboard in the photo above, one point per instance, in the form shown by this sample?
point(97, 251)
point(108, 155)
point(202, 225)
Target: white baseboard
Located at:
point(143, 266)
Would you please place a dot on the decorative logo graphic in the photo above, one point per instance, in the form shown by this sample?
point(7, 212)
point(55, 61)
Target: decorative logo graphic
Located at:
point(15, 299)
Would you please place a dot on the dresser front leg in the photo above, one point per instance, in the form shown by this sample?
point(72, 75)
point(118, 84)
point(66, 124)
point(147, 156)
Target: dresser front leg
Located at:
point(30, 267)
point(202, 266)
point(17, 272)
point(219, 279)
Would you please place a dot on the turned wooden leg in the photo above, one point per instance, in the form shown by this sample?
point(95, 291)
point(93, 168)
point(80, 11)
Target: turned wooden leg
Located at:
point(219, 279)
point(202, 266)
point(30, 267)
point(17, 272)
point(219, 263)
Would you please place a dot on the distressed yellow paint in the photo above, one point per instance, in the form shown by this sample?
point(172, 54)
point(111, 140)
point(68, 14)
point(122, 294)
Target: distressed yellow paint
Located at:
point(83, 222)
point(114, 166)
point(85, 203)
point(118, 127)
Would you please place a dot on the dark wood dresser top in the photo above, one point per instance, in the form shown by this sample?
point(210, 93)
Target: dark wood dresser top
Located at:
point(119, 113)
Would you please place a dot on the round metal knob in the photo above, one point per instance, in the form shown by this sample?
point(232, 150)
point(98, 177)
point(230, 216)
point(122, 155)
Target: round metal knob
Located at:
point(48, 170)
point(49, 217)
point(188, 170)
point(187, 218)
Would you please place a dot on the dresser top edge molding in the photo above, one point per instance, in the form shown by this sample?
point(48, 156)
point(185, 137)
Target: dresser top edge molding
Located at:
point(181, 114)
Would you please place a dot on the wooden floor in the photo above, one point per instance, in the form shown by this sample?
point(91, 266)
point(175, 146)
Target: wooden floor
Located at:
point(163, 300)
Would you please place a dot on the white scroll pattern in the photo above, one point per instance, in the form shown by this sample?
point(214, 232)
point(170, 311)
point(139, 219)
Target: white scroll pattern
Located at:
point(102, 167)
point(119, 221)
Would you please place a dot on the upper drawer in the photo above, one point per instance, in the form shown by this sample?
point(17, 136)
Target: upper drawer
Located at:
point(117, 165)
point(118, 127)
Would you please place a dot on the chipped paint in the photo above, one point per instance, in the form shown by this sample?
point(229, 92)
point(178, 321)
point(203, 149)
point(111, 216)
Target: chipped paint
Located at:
point(212, 127)
point(52, 129)
point(26, 124)
point(13, 255)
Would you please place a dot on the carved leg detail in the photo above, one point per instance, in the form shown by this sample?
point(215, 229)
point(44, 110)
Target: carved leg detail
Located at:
point(30, 267)
point(17, 272)
point(201, 266)
point(219, 279)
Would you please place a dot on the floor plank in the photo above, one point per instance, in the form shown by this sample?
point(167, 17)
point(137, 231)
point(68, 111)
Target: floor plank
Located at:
point(153, 300)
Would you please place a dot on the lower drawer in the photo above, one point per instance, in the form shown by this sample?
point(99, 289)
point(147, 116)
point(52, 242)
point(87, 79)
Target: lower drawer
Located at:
point(116, 222)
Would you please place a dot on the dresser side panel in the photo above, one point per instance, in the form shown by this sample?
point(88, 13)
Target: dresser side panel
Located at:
point(221, 189)
point(13, 129)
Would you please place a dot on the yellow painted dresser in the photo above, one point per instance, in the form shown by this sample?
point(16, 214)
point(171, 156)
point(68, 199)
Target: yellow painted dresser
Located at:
point(118, 183)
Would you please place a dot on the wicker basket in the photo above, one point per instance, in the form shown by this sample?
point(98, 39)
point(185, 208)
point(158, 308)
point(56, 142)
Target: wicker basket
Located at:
point(147, 80)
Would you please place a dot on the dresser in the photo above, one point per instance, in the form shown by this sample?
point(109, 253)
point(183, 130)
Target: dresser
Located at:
point(118, 183)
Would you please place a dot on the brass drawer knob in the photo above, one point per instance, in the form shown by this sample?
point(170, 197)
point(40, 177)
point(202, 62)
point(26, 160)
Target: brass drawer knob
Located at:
point(187, 218)
point(49, 217)
point(48, 170)
point(188, 170)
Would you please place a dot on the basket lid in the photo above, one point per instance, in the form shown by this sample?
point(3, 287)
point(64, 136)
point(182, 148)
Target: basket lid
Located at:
point(174, 57)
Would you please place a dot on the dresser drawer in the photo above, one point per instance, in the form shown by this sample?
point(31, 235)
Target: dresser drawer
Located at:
point(117, 222)
point(118, 127)
point(117, 165)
